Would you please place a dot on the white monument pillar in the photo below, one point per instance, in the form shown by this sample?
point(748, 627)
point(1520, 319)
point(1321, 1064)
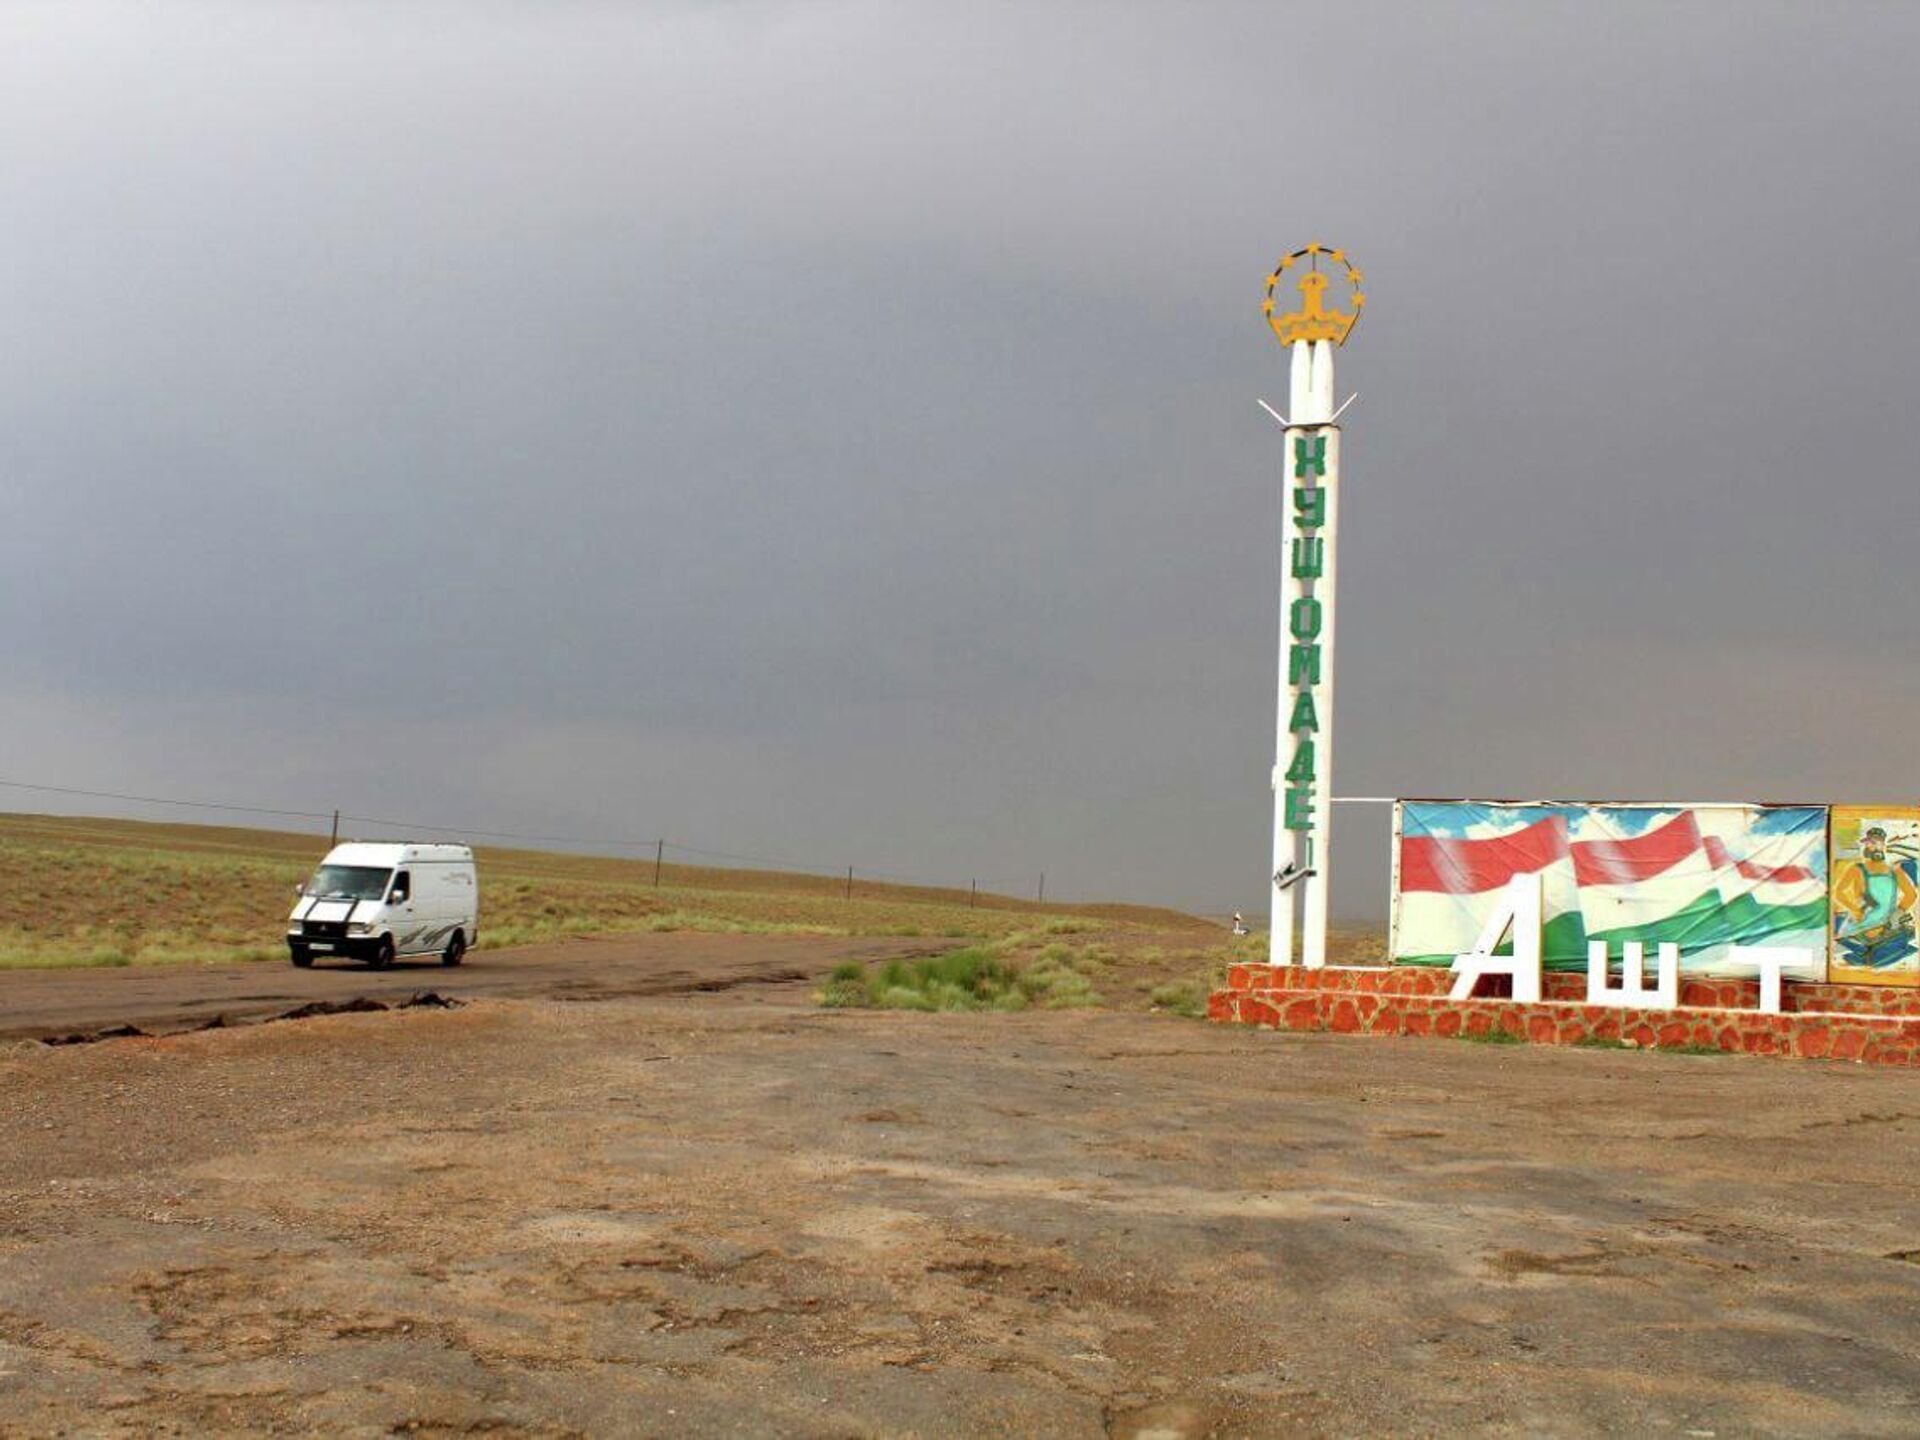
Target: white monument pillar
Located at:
point(1310, 519)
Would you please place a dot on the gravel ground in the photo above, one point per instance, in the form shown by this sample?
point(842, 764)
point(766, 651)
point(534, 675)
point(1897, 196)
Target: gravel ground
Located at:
point(731, 1213)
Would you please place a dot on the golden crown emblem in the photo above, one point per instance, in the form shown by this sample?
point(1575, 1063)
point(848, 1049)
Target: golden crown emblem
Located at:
point(1313, 321)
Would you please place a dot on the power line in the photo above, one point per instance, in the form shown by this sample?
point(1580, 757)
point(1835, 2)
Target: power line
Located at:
point(158, 800)
point(603, 843)
point(727, 855)
point(503, 834)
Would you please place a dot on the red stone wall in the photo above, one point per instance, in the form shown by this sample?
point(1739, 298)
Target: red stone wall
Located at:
point(1800, 995)
point(1839, 1022)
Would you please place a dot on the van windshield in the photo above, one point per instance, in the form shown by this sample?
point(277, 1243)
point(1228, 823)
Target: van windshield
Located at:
point(348, 882)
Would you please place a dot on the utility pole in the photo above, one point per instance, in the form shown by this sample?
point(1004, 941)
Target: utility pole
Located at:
point(334, 838)
point(849, 882)
point(973, 902)
point(659, 856)
point(1042, 898)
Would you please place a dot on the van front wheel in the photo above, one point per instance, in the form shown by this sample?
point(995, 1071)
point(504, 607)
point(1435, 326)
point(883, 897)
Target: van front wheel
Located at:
point(301, 956)
point(382, 956)
point(456, 950)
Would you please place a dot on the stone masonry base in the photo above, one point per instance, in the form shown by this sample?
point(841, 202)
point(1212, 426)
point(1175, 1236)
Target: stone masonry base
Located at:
point(1873, 1024)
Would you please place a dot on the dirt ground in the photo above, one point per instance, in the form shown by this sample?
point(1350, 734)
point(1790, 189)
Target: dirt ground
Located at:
point(156, 998)
point(729, 1212)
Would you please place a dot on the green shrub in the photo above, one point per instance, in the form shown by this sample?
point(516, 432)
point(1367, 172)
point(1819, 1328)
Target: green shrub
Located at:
point(977, 978)
point(843, 994)
point(1070, 992)
point(1038, 978)
point(945, 995)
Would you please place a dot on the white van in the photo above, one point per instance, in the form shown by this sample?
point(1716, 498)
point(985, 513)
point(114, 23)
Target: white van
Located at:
point(376, 901)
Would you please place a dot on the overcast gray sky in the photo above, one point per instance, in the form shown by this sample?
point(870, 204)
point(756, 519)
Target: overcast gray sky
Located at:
point(828, 430)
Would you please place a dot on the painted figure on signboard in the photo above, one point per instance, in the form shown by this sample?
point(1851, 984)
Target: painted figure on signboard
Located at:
point(1873, 900)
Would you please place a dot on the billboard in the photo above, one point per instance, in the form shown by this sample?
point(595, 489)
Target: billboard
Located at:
point(1705, 878)
point(1875, 851)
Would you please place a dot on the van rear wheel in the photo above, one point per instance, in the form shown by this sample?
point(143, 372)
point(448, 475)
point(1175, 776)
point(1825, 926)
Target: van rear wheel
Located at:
point(382, 956)
point(456, 950)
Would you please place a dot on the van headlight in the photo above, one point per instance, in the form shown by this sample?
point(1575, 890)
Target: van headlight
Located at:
point(360, 927)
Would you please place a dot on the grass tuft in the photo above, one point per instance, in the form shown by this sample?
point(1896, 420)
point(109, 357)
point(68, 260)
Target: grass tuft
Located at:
point(1495, 1036)
point(1590, 1043)
point(1070, 926)
point(978, 978)
point(1182, 997)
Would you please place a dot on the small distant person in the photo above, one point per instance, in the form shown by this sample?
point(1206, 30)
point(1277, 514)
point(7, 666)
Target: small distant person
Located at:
point(1239, 924)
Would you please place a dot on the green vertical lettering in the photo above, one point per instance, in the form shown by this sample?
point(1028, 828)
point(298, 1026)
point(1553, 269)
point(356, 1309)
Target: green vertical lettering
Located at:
point(1309, 557)
point(1309, 454)
point(1303, 665)
point(1304, 618)
point(1310, 506)
point(1306, 715)
point(1301, 770)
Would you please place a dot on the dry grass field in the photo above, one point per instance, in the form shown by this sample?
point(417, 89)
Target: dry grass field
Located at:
point(85, 891)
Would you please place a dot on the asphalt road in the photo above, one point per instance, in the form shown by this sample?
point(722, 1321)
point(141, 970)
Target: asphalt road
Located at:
point(40, 1004)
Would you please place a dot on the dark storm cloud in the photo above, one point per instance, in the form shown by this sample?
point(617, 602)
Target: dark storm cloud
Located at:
point(829, 430)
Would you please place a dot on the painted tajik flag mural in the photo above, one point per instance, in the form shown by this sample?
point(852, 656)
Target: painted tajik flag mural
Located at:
point(1704, 878)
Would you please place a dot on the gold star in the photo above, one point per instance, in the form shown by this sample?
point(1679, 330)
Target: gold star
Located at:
point(1314, 248)
point(1339, 257)
point(1267, 305)
point(1283, 265)
point(1354, 275)
point(1359, 300)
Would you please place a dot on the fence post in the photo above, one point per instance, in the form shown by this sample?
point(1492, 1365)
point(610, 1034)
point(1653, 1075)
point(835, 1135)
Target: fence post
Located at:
point(849, 882)
point(659, 855)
